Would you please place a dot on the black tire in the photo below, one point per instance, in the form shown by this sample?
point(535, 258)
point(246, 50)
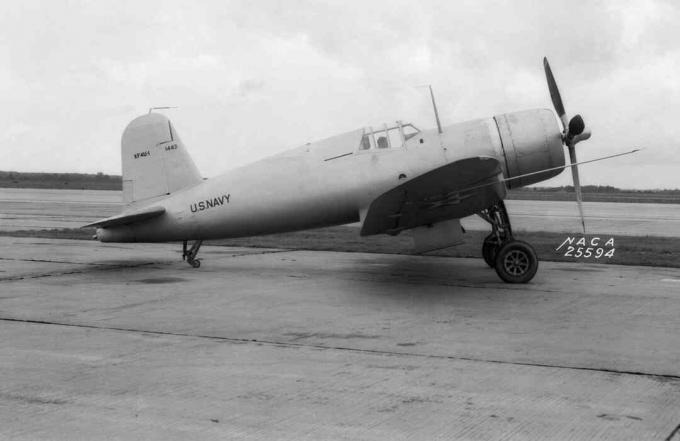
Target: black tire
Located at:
point(195, 263)
point(489, 250)
point(516, 262)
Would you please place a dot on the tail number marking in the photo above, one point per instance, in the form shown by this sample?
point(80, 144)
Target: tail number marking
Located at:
point(209, 203)
point(142, 154)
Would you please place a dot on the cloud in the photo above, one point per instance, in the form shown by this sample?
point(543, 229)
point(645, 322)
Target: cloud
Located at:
point(252, 79)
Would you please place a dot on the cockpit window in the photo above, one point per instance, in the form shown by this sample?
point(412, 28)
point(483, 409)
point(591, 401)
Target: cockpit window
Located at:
point(365, 143)
point(410, 131)
point(387, 137)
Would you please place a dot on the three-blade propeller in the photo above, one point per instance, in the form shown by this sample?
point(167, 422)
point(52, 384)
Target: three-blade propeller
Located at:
point(574, 131)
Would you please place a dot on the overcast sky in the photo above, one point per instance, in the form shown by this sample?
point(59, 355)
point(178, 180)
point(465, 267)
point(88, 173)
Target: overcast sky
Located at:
point(252, 78)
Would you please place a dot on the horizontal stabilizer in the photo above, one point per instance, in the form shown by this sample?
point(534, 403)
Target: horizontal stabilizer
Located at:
point(128, 218)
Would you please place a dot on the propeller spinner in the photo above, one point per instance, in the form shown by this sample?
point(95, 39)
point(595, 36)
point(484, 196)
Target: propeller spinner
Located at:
point(574, 131)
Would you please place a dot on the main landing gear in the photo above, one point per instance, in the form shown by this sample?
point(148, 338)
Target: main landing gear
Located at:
point(515, 261)
point(190, 254)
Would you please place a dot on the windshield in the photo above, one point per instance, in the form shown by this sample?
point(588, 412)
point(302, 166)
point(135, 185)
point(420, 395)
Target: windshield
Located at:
point(387, 137)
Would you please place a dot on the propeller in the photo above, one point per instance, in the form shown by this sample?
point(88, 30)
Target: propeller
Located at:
point(574, 130)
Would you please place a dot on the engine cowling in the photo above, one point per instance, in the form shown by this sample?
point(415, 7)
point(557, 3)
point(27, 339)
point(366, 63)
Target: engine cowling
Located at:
point(531, 141)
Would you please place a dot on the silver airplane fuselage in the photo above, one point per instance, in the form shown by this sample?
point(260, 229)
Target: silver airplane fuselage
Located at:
point(333, 181)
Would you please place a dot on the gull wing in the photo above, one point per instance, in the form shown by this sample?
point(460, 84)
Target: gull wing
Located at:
point(453, 191)
point(128, 218)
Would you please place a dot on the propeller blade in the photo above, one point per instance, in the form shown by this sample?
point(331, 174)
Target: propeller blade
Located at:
point(555, 94)
point(577, 184)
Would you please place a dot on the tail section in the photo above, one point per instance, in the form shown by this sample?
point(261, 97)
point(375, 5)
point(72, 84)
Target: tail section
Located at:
point(154, 159)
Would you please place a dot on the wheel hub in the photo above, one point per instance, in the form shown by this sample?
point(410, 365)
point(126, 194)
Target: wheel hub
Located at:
point(516, 262)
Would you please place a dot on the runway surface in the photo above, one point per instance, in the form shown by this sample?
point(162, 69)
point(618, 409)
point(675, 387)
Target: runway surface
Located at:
point(123, 341)
point(42, 209)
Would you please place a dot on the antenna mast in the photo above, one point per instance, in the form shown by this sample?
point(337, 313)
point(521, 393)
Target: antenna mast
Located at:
point(436, 114)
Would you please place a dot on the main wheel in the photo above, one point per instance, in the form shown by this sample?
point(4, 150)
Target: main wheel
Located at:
point(516, 262)
point(490, 249)
point(195, 263)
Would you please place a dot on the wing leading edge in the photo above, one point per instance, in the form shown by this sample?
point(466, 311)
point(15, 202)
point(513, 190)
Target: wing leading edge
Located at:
point(438, 195)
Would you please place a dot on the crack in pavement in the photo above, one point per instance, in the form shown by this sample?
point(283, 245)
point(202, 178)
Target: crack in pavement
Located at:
point(673, 433)
point(285, 344)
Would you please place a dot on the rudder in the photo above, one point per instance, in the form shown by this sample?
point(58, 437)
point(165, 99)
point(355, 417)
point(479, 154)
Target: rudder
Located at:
point(154, 159)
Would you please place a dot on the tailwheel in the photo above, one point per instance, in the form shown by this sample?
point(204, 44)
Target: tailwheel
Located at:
point(516, 262)
point(190, 254)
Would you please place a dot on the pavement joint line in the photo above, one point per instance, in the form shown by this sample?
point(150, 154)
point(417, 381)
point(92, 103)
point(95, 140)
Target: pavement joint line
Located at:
point(103, 267)
point(52, 261)
point(673, 433)
point(349, 349)
point(260, 253)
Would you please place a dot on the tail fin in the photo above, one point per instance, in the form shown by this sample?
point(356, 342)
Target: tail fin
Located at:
point(154, 159)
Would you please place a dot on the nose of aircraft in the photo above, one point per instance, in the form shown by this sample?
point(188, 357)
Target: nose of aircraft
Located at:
point(531, 141)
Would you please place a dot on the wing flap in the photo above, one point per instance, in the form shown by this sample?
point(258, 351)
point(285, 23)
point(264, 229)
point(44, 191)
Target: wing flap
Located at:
point(453, 191)
point(128, 218)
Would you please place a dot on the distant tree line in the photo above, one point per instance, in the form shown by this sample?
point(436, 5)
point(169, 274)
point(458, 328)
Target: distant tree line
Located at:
point(101, 181)
point(83, 181)
point(593, 189)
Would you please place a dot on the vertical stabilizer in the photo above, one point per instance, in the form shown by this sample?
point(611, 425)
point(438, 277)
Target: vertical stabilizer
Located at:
point(154, 159)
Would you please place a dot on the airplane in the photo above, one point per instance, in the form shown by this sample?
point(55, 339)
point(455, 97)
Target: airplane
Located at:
point(389, 179)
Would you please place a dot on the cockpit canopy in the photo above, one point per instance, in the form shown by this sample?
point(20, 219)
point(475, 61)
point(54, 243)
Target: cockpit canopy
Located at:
point(387, 137)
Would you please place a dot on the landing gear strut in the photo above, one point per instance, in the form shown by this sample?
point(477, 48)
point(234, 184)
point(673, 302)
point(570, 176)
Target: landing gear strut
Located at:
point(514, 261)
point(190, 254)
